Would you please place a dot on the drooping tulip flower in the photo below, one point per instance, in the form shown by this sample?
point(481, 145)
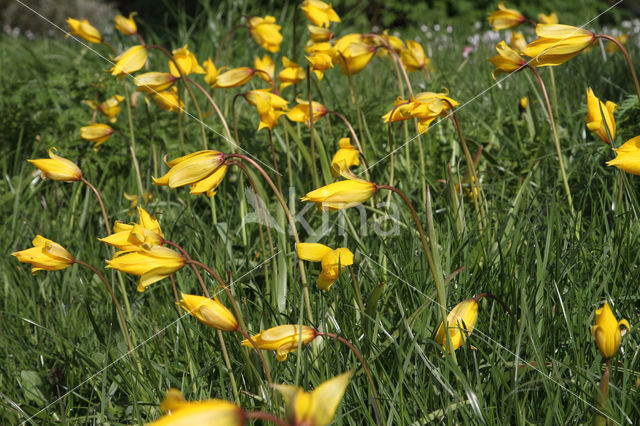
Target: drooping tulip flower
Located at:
point(628, 156)
point(318, 407)
point(131, 60)
point(282, 339)
point(596, 111)
point(187, 62)
point(153, 82)
point(45, 255)
point(138, 236)
point(210, 312)
point(269, 105)
point(320, 58)
point(126, 26)
point(425, 106)
point(265, 32)
point(319, 12)
point(235, 77)
point(301, 112)
point(151, 264)
point(57, 168)
point(461, 321)
point(333, 261)
point(606, 331)
point(413, 57)
point(96, 133)
point(203, 170)
point(292, 73)
point(342, 194)
point(110, 108)
point(319, 34)
point(266, 66)
point(552, 18)
point(353, 58)
point(345, 158)
point(557, 44)
point(506, 61)
point(169, 100)
point(84, 30)
point(212, 412)
point(211, 72)
point(505, 18)
point(518, 42)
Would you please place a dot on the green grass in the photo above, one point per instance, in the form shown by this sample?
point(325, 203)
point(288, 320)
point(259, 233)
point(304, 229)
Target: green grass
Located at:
point(64, 357)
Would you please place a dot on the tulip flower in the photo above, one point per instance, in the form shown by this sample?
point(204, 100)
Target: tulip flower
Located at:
point(96, 133)
point(203, 170)
point(504, 18)
point(151, 264)
point(84, 30)
point(606, 331)
point(186, 61)
point(153, 82)
point(506, 61)
point(518, 42)
point(318, 407)
point(126, 26)
point(265, 65)
point(291, 74)
point(235, 77)
point(461, 321)
point(110, 108)
point(131, 60)
point(206, 412)
point(136, 237)
point(210, 312)
point(425, 106)
point(596, 111)
point(209, 185)
point(321, 58)
point(332, 261)
point(413, 57)
point(319, 34)
point(169, 100)
point(353, 58)
point(282, 339)
point(319, 12)
point(57, 168)
point(628, 156)
point(552, 18)
point(557, 44)
point(265, 32)
point(342, 194)
point(301, 114)
point(523, 104)
point(45, 255)
point(386, 41)
point(270, 106)
point(346, 157)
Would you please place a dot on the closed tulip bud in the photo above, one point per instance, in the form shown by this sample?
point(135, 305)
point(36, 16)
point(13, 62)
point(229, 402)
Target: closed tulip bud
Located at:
point(265, 65)
point(58, 168)
point(346, 157)
point(45, 255)
point(301, 112)
point(235, 77)
point(192, 168)
point(292, 73)
point(332, 261)
point(152, 82)
point(413, 57)
point(319, 34)
point(282, 339)
point(316, 408)
point(606, 331)
point(210, 312)
point(354, 57)
point(342, 194)
point(169, 100)
point(126, 26)
point(96, 133)
point(265, 32)
point(518, 42)
point(599, 117)
point(557, 44)
point(131, 60)
point(212, 412)
point(461, 321)
point(319, 12)
point(506, 61)
point(628, 156)
point(84, 30)
point(504, 18)
point(136, 237)
point(548, 19)
point(151, 264)
point(186, 61)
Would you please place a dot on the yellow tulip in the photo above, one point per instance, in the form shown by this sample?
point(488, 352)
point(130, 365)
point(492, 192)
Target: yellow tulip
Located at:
point(84, 30)
point(265, 32)
point(151, 264)
point(353, 58)
point(319, 34)
point(386, 41)
point(319, 12)
point(270, 106)
point(96, 133)
point(606, 331)
point(557, 44)
point(110, 108)
point(210, 412)
point(332, 261)
point(342, 194)
point(552, 18)
point(235, 77)
point(208, 311)
point(524, 103)
point(461, 321)
point(209, 185)
point(203, 170)
point(153, 82)
point(628, 156)
point(45, 255)
point(321, 58)
point(131, 60)
point(282, 339)
point(413, 57)
point(187, 62)
point(518, 42)
point(57, 168)
point(126, 26)
point(318, 407)
point(504, 18)
point(596, 110)
point(292, 73)
point(169, 100)
point(265, 65)
point(346, 157)
point(301, 113)
point(506, 61)
point(138, 236)
point(425, 106)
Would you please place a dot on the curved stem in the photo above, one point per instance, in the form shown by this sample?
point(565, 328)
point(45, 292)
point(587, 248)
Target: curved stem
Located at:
point(132, 142)
point(104, 212)
point(354, 136)
point(224, 39)
point(110, 46)
point(215, 107)
point(627, 58)
point(266, 417)
point(273, 83)
point(500, 302)
point(354, 96)
point(314, 171)
point(141, 39)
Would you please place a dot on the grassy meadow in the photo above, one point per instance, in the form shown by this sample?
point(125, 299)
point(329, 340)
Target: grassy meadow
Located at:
point(64, 355)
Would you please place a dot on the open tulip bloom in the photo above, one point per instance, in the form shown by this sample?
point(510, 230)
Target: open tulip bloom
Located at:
point(628, 156)
point(332, 261)
point(557, 44)
point(151, 265)
point(205, 412)
point(265, 32)
point(319, 12)
point(137, 236)
point(282, 339)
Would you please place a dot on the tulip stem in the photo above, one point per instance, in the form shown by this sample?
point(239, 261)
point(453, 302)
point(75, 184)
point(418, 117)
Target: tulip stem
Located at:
point(224, 39)
point(292, 224)
point(273, 83)
point(377, 409)
point(314, 171)
point(627, 58)
point(132, 142)
point(215, 107)
point(266, 417)
point(355, 139)
point(104, 212)
point(500, 302)
point(354, 96)
point(555, 139)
